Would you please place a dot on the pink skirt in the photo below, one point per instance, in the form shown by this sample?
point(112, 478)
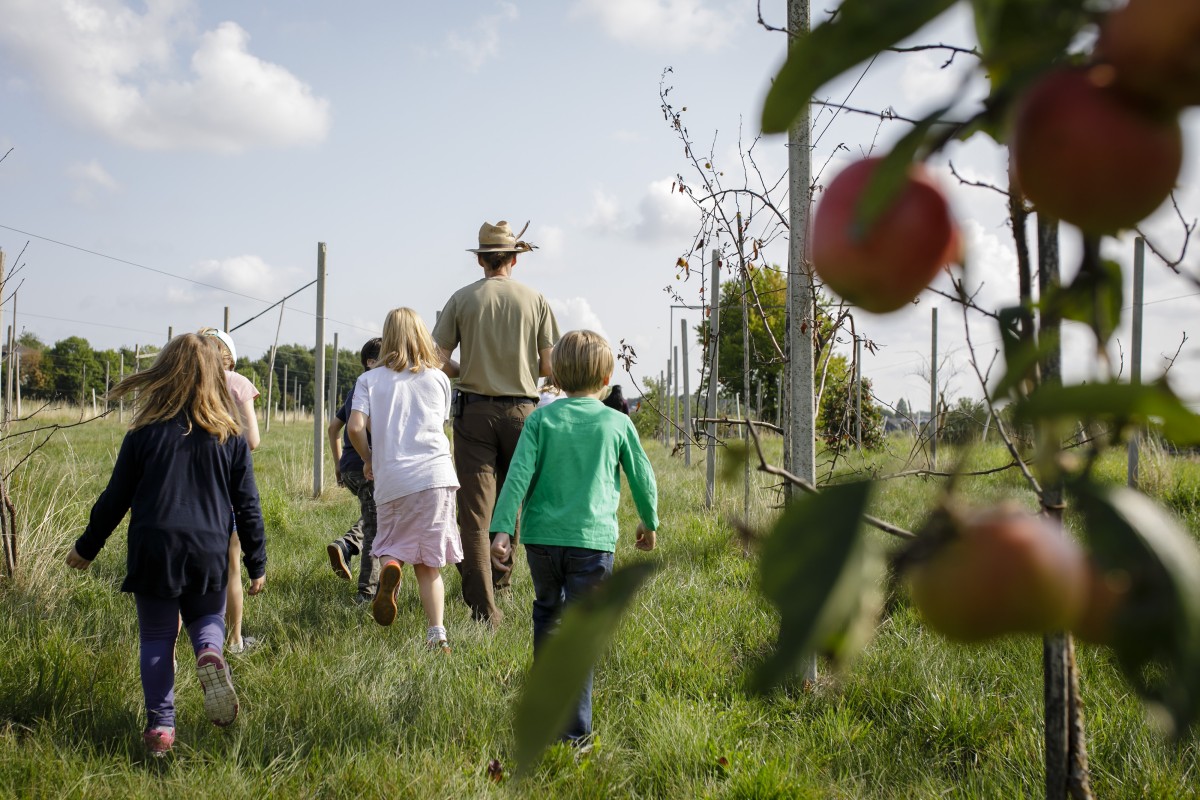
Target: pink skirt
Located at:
point(418, 528)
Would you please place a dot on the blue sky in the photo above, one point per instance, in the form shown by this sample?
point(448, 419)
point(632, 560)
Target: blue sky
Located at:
point(220, 141)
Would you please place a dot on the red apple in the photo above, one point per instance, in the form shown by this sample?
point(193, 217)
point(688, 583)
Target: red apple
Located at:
point(1005, 571)
point(886, 266)
point(1086, 154)
point(1153, 47)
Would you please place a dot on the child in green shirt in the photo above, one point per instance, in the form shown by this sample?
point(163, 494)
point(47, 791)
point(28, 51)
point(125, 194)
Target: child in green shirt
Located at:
point(565, 477)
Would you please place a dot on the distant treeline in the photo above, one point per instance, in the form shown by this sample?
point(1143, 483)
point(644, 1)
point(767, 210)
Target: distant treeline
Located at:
point(70, 369)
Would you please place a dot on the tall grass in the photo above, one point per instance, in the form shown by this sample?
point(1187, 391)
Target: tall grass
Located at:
point(336, 706)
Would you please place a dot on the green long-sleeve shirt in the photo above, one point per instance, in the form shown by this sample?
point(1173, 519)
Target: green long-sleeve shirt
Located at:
point(566, 476)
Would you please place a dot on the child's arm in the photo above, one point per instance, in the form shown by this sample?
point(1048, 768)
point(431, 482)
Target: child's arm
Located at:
point(110, 508)
point(335, 445)
point(516, 485)
point(249, 422)
point(356, 429)
point(640, 475)
point(247, 510)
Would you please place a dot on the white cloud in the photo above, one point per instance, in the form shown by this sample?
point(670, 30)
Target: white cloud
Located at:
point(113, 69)
point(90, 178)
point(666, 24)
point(659, 215)
point(666, 214)
point(575, 313)
point(550, 240)
point(483, 41)
point(246, 275)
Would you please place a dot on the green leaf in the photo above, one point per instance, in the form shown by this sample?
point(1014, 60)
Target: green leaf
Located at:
point(860, 30)
point(818, 570)
point(733, 461)
point(565, 658)
point(1158, 623)
point(888, 177)
point(1121, 403)
point(1021, 354)
point(1019, 38)
point(1094, 298)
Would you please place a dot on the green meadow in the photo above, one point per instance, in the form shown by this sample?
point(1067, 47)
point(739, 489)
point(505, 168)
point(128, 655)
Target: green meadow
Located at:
point(335, 706)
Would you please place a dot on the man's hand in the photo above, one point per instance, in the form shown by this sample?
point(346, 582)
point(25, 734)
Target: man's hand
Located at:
point(368, 472)
point(337, 474)
point(76, 561)
point(645, 538)
point(257, 585)
point(501, 552)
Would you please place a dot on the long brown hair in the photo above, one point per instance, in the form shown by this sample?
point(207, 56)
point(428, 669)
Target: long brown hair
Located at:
point(187, 377)
point(407, 343)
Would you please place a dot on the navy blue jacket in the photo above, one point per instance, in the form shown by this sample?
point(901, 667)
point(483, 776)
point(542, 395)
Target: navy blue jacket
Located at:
point(178, 488)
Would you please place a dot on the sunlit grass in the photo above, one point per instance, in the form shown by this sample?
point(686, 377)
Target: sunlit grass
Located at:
point(335, 706)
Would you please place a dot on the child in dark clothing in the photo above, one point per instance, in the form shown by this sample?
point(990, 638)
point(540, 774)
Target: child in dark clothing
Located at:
point(180, 469)
point(348, 466)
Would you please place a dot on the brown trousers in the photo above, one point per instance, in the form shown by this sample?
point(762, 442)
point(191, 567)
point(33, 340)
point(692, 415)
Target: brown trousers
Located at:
point(485, 437)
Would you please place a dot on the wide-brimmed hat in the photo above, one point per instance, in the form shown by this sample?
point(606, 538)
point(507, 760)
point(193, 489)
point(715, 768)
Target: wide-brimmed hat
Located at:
point(499, 238)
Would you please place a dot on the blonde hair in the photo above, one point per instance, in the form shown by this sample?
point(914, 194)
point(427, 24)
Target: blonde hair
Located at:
point(186, 378)
point(407, 343)
point(581, 361)
point(210, 334)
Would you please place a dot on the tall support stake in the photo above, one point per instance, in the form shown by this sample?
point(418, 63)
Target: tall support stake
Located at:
point(858, 392)
point(226, 326)
point(933, 396)
point(1135, 361)
point(687, 398)
point(319, 379)
point(333, 377)
point(745, 373)
point(12, 363)
point(269, 411)
point(677, 412)
point(283, 393)
point(121, 402)
point(8, 358)
point(714, 333)
point(800, 450)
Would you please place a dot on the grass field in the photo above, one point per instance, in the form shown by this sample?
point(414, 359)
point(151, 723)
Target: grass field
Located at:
point(335, 706)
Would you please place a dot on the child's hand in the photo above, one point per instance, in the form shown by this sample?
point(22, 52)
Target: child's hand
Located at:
point(501, 552)
point(645, 538)
point(76, 561)
point(257, 585)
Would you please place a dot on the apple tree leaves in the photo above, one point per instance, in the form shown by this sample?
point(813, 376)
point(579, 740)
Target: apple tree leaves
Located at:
point(822, 575)
point(1155, 630)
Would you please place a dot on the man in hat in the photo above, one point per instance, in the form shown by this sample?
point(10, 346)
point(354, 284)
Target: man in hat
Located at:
point(506, 332)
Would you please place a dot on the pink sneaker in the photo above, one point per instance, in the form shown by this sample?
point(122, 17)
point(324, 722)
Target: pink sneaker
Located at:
point(158, 740)
point(220, 701)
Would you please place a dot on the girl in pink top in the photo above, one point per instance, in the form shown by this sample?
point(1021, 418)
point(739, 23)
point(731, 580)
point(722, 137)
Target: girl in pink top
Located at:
point(243, 392)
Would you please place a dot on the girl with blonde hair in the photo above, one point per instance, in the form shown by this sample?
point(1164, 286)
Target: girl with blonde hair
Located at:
point(181, 467)
point(405, 404)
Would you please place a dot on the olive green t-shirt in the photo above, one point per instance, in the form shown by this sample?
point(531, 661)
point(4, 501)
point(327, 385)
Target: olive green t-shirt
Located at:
point(502, 326)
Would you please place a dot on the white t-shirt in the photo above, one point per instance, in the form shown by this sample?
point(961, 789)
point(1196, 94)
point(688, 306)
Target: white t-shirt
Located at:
point(409, 448)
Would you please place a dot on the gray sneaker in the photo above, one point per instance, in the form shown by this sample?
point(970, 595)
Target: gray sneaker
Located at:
point(249, 644)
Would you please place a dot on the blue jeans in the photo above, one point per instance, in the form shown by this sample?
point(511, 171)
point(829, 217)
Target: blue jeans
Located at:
point(562, 575)
point(158, 626)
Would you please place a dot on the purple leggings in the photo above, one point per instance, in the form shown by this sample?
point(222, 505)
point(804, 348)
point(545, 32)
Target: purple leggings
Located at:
point(158, 628)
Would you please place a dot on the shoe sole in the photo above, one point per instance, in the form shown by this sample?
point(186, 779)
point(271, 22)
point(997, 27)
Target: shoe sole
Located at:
point(220, 700)
point(383, 607)
point(337, 560)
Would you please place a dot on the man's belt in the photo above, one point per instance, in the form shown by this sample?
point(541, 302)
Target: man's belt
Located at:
point(472, 397)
